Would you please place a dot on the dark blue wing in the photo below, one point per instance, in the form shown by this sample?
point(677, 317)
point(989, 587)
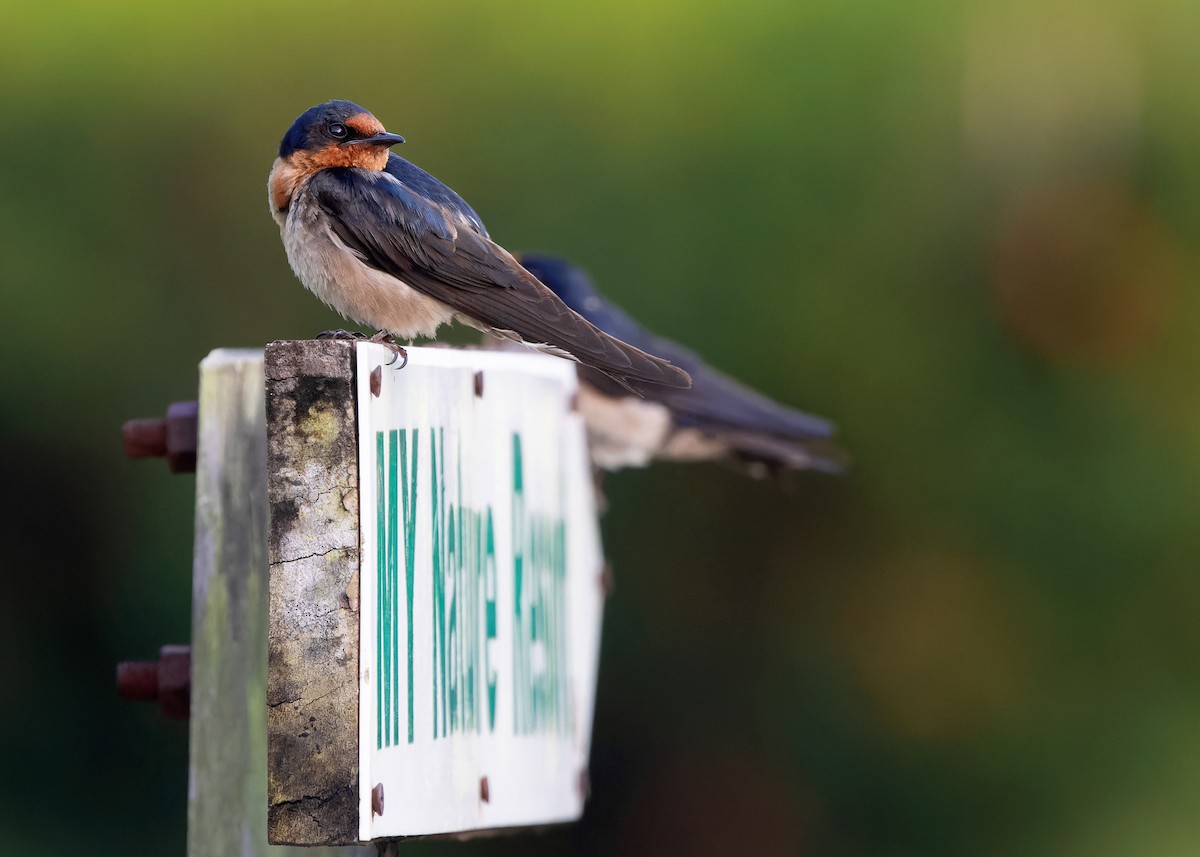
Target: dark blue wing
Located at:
point(422, 183)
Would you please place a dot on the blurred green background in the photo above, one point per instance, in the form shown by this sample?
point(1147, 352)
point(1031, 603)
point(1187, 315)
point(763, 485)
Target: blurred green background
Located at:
point(966, 231)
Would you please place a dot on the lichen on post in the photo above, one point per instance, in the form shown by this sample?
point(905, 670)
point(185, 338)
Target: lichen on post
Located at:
point(312, 693)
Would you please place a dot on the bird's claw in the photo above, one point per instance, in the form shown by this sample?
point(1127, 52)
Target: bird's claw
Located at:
point(382, 337)
point(397, 351)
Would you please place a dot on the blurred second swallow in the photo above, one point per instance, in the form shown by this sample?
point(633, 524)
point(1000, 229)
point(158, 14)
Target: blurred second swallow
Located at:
point(718, 419)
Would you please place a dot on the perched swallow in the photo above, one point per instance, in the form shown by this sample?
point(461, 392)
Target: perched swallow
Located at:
point(388, 245)
point(717, 419)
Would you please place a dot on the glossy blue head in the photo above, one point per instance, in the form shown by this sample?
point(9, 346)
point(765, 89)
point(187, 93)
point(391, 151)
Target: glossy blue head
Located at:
point(335, 126)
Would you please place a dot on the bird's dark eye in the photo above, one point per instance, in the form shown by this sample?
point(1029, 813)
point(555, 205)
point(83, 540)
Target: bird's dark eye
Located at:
point(338, 130)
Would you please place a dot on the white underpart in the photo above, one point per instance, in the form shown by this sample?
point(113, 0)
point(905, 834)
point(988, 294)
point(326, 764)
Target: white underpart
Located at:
point(627, 431)
point(689, 444)
point(622, 432)
point(332, 272)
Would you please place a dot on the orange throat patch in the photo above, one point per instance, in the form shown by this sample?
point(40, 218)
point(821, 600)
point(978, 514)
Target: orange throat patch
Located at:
point(287, 174)
point(282, 184)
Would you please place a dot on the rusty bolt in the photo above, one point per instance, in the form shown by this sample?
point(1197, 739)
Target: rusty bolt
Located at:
point(479, 383)
point(485, 794)
point(145, 438)
point(173, 438)
point(376, 381)
point(167, 680)
point(377, 799)
point(138, 680)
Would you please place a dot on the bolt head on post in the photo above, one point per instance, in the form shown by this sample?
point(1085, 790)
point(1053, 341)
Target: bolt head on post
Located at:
point(173, 438)
point(167, 681)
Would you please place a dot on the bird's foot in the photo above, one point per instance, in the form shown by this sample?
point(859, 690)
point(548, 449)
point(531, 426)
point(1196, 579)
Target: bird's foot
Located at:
point(382, 337)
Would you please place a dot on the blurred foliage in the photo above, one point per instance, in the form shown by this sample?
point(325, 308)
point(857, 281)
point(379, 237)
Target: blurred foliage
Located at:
point(967, 231)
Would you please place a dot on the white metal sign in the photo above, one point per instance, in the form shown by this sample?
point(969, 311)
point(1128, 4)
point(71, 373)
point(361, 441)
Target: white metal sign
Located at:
point(481, 597)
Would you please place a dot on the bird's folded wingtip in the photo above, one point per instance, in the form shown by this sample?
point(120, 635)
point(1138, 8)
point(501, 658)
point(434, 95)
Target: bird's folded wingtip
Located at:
point(681, 375)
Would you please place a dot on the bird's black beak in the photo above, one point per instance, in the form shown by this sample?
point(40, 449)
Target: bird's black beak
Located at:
point(384, 139)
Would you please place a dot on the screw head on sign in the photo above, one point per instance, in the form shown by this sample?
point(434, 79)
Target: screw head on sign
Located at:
point(485, 793)
point(377, 799)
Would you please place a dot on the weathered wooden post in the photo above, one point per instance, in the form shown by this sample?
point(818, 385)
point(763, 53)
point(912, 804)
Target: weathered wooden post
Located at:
point(435, 594)
point(227, 781)
point(312, 691)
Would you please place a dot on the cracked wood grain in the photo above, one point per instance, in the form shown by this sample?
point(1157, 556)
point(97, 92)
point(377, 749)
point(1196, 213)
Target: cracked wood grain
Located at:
point(312, 541)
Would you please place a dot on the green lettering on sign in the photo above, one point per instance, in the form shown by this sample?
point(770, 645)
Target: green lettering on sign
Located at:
point(381, 588)
point(396, 496)
point(436, 481)
point(464, 555)
point(539, 613)
point(409, 476)
point(465, 598)
point(489, 589)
